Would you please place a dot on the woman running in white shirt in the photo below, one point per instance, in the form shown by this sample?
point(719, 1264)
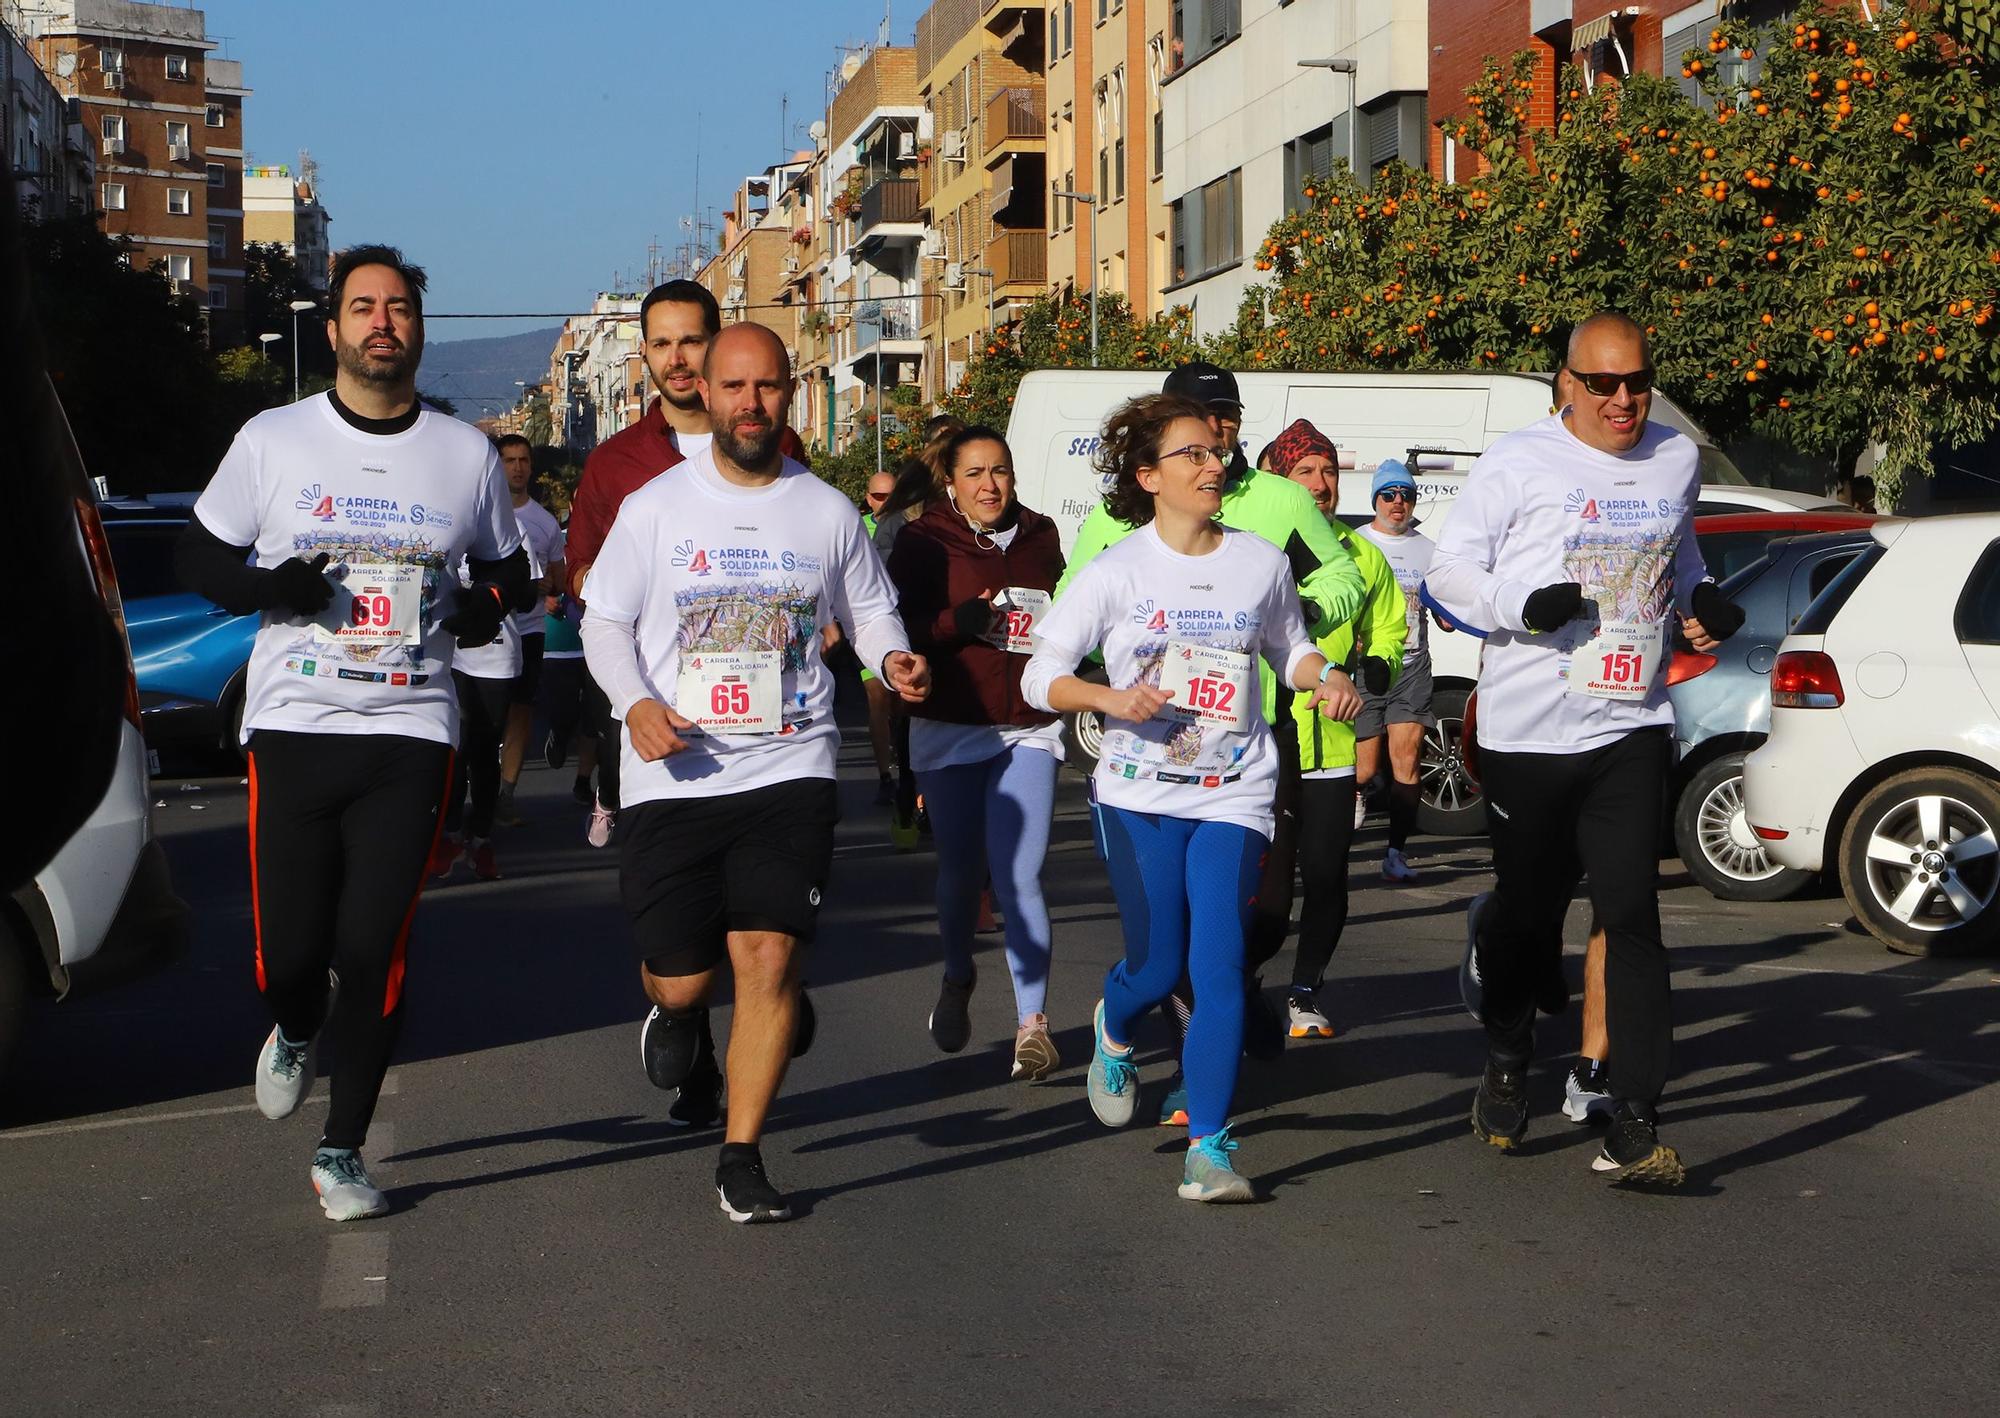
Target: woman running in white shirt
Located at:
point(1189, 768)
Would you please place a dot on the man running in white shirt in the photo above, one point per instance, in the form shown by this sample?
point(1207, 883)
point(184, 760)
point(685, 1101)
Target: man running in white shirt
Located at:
point(1399, 717)
point(544, 537)
point(1571, 545)
point(706, 607)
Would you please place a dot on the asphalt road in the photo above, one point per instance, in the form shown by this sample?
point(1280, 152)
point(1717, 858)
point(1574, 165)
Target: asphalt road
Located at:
point(969, 1245)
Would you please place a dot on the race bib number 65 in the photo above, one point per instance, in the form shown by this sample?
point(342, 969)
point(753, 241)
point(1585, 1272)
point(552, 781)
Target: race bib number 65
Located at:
point(736, 692)
point(1210, 686)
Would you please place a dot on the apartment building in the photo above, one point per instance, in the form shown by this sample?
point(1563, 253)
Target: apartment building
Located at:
point(597, 375)
point(981, 176)
point(798, 208)
point(52, 157)
point(222, 161)
point(282, 208)
point(877, 232)
point(140, 74)
point(1251, 112)
point(1108, 62)
point(1607, 42)
point(747, 275)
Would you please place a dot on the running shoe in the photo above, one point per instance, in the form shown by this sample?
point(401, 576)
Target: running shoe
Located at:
point(479, 852)
point(747, 1194)
point(885, 791)
point(1207, 1175)
point(284, 1075)
point(504, 812)
point(1113, 1083)
point(923, 819)
point(345, 1193)
point(1478, 915)
point(555, 752)
point(670, 1045)
point(1308, 1019)
point(579, 789)
point(806, 1027)
point(602, 820)
point(1035, 1054)
point(445, 853)
point(1263, 1030)
point(1633, 1152)
point(1587, 1091)
point(951, 1016)
point(1173, 1107)
point(1360, 808)
point(1500, 1107)
point(1396, 867)
point(698, 1102)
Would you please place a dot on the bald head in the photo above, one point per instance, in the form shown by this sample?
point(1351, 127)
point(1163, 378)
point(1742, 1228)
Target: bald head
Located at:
point(1611, 382)
point(747, 335)
point(746, 383)
point(1607, 326)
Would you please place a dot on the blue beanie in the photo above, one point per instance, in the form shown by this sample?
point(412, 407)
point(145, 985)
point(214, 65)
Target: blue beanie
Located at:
point(1390, 473)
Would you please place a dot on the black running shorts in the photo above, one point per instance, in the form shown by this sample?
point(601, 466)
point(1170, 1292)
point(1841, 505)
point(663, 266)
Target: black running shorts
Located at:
point(691, 870)
point(529, 682)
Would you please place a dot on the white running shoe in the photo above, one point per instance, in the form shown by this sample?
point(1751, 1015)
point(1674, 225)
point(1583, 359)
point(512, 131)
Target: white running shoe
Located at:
point(345, 1193)
point(284, 1074)
point(1360, 808)
point(1306, 1018)
point(1395, 867)
point(1587, 1092)
point(602, 820)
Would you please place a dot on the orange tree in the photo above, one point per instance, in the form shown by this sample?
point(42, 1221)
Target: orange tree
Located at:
point(1814, 250)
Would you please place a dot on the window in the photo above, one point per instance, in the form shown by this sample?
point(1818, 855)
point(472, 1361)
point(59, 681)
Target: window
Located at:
point(180, 268)
point(218, 243)
point(218, 298)
point(215, 174)
point(1118, 170)
point(114, 196)
point(1977, 618)
point(177, 139)
point(1308, 160)
point(1202, 26)
point(111, 61)
point(214, 117)
point(1207, 228)
point(177, 67)
point(112, 126)
point(178, 202)
point(1069, 27)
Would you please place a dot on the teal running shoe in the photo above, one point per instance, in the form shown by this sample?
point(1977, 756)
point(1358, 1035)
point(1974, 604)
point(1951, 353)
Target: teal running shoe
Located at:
point(1113, 1083)
point(284, 1073)
point(1173, 1107)
point(1207, 1175)
point(345, 1193)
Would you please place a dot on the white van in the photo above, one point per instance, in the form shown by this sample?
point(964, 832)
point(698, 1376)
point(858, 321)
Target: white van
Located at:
point(1436, 423)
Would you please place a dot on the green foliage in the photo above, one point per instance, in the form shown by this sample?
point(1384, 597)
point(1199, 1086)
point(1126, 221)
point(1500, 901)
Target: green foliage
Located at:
point(271, 283)
point(1815, 256)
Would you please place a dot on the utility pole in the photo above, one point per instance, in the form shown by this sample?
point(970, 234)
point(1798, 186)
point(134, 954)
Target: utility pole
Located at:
point(1091, 198)
point(1360, 169)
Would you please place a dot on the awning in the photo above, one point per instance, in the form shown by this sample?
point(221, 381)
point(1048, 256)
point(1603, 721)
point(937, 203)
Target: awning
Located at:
point(1002, 190)
point(1591, 32)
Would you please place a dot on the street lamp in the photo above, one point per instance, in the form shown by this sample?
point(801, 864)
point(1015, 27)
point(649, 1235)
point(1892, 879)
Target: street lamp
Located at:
point(265, 340)
point(1076, 196)
point(298, 306)
point(1347, 67)
point(988, 273)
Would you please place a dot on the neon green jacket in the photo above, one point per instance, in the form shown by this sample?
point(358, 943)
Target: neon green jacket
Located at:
point(1283, 514)
point(1381, 626)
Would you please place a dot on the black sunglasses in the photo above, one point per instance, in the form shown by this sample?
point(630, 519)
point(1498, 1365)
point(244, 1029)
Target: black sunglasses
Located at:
point(1395, 494)
point(1639, 381)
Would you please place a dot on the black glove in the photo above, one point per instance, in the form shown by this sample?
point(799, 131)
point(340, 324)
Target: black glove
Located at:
point(296, 585)
point(478, 618)
point(1719, 616)
point(1375, 674)
point(973, 618)
point(1553, 607)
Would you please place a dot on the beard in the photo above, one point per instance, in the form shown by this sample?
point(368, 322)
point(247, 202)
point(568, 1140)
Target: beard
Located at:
point(748, 446)
point(395, 368)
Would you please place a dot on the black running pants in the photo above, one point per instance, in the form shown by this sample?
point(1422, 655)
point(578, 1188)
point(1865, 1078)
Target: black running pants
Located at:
point(1326, 831)
point(482, 724)
point(609, 730)
point(341, 830)
point(1547, 813)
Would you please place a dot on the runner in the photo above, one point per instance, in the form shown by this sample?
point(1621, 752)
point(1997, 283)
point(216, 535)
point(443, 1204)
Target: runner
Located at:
point(706, 607)
point(974, 574)
point(1330, 592)
point(483, 676)
point(562, 695)
point(341, 519)
point(1185, 782)
point(1571, 543)
point(1403, 714)
point(1321, 751)
point(544, 536)
point(880, 701)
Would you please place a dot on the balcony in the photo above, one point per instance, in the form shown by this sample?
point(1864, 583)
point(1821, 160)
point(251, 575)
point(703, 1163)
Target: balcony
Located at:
point(1013, 116)
point(1018, 27)
point(886, 333)
point(890, 202)
point(1019, 258)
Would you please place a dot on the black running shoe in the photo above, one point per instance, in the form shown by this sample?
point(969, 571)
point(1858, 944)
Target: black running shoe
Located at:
point(747, 1194)
point(806, 1027)
point(1263, 1027)
point(698, 1103)
point(671, 1044)
point(554, 751)
point(1500, 1107)
point(1634, 1153)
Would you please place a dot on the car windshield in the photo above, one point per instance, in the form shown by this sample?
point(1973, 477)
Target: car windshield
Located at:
point(143, 554)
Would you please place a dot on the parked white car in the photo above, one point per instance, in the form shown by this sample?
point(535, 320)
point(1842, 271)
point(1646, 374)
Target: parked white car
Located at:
point(1883, 764)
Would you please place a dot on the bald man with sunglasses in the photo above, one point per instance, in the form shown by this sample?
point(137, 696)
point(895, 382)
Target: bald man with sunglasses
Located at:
point(1572, 549)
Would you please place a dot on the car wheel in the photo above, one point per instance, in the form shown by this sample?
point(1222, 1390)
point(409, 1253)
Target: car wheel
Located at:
point(1085, 733)
point(1920, 862)
point(1449, 803)
point(1713, 837)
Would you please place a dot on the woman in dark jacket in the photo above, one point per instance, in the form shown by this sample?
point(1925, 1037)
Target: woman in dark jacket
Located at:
point(974, 573)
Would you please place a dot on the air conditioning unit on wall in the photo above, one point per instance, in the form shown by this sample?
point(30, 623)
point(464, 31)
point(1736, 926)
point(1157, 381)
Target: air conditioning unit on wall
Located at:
point(951, 143)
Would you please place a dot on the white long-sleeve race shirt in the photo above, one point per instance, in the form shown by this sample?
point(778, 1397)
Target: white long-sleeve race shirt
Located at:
point(1132, 599)
point(697, 564)
point(1541, 506)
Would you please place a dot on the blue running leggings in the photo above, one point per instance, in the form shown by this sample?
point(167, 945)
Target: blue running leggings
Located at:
point(1185, 889)
point(993, 816)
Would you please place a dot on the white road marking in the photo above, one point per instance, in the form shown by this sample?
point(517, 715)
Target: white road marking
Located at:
point(357, 1270)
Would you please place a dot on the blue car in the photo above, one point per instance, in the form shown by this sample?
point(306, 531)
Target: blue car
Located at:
point(191, 656)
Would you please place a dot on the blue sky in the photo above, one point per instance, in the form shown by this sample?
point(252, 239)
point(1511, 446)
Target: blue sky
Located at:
point(527, 154)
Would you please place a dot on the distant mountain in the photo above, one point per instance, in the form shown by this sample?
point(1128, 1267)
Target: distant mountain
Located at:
point(478, 375)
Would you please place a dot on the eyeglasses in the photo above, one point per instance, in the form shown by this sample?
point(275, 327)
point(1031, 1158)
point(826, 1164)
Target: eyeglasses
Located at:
point(1395, 494)
point(1199, 455)
point(878, 497)
point(1639, 381)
